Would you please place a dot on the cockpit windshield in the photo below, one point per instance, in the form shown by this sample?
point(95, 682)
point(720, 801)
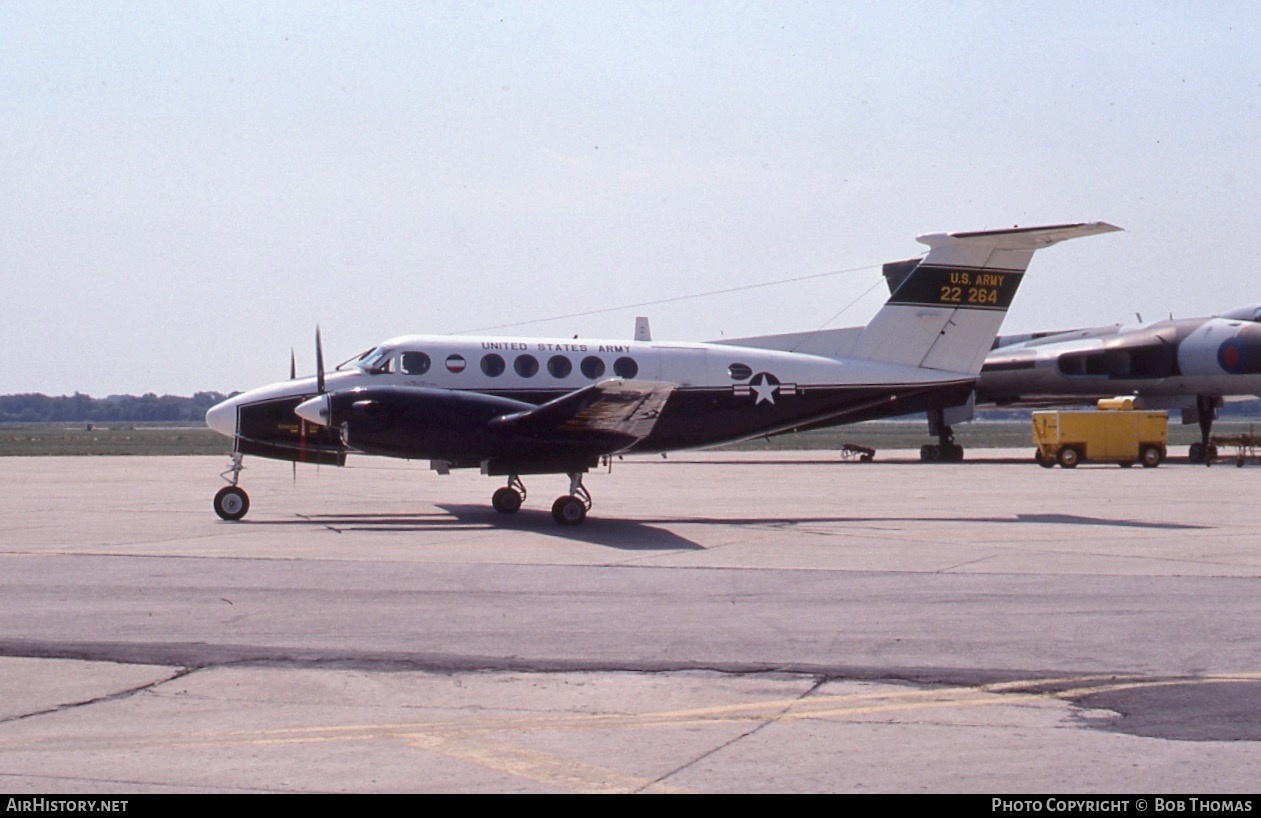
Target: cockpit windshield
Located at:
point(355, 361)
point(374, 361)
point(1252, 312)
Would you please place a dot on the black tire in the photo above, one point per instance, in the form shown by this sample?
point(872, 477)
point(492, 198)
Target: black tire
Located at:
point(866, 458)
point(1044, 462)
point(506, 500)
point(1126, 464)
point(1069, 457)
point(952, 453)
point(569, 510)
point(231, 503)
point(928, 454)
point(1195, 453)
point(1150, 456)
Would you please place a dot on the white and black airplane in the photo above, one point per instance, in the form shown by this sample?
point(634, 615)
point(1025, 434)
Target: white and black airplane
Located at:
point(1186, 364)
point(517, 406)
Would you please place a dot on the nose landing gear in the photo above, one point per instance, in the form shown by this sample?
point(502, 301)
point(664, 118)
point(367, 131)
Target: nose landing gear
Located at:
point(231, 502)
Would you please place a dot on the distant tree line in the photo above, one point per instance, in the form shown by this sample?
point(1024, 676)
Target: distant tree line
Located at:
point(80, 408)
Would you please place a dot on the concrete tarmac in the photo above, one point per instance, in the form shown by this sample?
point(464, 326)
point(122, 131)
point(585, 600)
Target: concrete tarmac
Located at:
point(723, 622)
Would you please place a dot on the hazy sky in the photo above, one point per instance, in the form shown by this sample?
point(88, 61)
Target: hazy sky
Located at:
point(189, 188)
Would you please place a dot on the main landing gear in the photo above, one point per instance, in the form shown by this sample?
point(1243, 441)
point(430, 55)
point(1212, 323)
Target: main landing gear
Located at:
point(231, 501)
point(1204, 451)
point(569, 509)
point(945, 451)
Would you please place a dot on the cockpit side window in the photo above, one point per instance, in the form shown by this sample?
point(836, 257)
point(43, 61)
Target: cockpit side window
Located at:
point(414, 363)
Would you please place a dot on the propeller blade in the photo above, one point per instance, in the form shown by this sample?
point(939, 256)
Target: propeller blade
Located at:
point(319, 362)
point(293, 365)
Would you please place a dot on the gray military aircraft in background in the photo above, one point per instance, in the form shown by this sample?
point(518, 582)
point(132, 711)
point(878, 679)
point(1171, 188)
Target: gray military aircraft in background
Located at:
point(1188, 365)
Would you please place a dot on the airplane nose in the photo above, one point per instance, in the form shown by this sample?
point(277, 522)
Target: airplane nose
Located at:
point(315, 410)
point(222, 418)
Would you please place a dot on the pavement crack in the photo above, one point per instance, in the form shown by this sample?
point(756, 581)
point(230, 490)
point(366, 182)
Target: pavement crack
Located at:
point(110, 697)
point(767, 722)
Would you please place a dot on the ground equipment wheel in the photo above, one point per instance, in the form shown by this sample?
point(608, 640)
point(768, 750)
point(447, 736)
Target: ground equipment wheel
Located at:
point(569, 510)
point(1151, 456)
point(1069, 457)
point(231, 503)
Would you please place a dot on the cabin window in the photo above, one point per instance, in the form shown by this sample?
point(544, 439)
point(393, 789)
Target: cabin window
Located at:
point(456, 364)
point(493, 365)
point(559, 366)
point(527, 366)
point(625, 367)
point(592, 367)
point(740, 372)
point(414, 363)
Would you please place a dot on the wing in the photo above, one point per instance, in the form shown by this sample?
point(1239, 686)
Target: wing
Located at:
point(623, 412)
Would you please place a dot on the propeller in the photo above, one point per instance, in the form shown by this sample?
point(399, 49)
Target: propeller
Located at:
point(319, 362)
point(318, 409)
point(293, 366)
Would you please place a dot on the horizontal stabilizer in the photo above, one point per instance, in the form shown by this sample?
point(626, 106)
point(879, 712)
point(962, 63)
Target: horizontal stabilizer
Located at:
point(945, 310)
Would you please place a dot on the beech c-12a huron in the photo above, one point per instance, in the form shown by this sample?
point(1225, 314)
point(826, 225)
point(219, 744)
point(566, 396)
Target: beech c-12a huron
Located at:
point(521, 406)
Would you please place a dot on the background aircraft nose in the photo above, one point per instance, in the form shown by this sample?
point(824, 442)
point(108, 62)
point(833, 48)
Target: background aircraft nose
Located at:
point(315, 410)
point(222, 418)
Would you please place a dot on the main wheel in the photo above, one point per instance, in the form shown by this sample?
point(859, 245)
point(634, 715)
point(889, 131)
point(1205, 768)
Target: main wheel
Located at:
point(1069, 457)
point(1151, 456)
point(569, 510)
point(506, 500)
point(231, 503)
point(1195, 454)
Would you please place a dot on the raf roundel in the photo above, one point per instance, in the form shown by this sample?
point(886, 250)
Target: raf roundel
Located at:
point(1230, 356)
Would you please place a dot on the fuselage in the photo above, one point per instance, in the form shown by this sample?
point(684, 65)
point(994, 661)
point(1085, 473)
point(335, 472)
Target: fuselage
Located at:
point(1183, 357)
point(722, 393)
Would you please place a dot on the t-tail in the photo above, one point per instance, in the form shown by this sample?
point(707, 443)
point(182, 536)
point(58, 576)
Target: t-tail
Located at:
point(946, 308)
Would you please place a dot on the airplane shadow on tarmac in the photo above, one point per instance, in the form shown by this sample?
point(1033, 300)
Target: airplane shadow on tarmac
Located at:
point(633, 535)
point(656, 534)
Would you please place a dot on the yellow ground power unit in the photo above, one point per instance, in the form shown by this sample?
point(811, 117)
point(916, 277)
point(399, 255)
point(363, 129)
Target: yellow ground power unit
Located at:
point(1116, 432)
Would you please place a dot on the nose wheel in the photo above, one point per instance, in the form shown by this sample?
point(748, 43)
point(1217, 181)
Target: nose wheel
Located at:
point(231, 502)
